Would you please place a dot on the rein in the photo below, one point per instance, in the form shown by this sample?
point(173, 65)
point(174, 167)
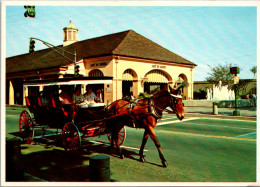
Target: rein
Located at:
point(152, 108)
point(173, 103)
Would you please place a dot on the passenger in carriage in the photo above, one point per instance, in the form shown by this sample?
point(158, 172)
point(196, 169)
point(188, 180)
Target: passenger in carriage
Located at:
point(90, 97)
point(66, 95)
point(99, 96)
point(45, 96)
point(78, 98)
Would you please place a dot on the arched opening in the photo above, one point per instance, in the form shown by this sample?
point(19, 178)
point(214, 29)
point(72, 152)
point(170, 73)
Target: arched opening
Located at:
point(96, 73)
point(127, 82)
point(156, 80)
point(98, 89)
point(184, 90)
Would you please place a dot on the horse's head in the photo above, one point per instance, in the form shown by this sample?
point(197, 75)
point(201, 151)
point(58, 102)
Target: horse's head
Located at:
point(176, 102)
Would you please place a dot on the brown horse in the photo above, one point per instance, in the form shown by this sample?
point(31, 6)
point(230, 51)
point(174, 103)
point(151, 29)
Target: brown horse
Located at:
point(144, 114)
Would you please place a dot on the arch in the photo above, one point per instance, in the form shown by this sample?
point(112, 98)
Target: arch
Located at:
point(157, 76)
point(156, 79)
point(183, 78)
point(129, 75)
point(129, 83)
point(95, 73)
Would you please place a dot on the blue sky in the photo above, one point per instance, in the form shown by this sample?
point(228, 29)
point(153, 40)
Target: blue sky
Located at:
point(203, 35)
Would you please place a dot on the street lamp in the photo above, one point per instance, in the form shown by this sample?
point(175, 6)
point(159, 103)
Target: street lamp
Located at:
point(235, 71)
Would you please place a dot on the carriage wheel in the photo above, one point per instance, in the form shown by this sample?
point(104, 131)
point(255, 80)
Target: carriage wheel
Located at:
point(121, 136)
point(26, 126)
point(71, 137)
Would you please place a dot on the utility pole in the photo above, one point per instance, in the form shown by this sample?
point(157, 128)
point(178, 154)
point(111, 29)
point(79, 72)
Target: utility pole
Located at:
point(56, 49)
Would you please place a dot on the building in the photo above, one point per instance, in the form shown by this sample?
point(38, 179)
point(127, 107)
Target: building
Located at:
point(245, 87)
point(136, 64)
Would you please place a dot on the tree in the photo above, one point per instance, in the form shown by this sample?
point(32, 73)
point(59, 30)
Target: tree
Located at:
point(220, 73)
point(253, 70)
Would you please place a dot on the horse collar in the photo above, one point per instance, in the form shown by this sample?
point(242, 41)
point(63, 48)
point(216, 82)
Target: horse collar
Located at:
point(153, 111)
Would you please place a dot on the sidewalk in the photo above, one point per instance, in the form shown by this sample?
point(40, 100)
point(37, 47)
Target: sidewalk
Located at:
point(248, 113)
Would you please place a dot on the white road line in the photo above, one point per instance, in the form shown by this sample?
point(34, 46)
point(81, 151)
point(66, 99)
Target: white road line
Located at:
point(230, 119)
point(167, 119)
point(98, 142)
point(224, 126)
point(46, 135)
point(175, 121)
point(246, 134)
point(189, 119)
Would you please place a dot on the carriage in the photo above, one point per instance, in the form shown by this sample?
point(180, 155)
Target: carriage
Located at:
point(79, 123)
point(46, 111)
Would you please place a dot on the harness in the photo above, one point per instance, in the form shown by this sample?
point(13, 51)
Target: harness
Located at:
point(152, 108)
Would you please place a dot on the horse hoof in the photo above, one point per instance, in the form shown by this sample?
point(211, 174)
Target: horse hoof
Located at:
point(142, 159)
point(122, 156)
point(164, 163)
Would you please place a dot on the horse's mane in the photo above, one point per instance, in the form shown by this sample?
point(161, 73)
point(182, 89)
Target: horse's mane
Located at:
point(160, 93)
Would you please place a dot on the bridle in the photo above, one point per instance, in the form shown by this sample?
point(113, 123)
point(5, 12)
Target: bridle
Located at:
point(174, 101)
point(153, 109)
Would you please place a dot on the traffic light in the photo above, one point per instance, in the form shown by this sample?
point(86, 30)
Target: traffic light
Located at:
point(30, 11)
point(77, 70)
point(31, 47)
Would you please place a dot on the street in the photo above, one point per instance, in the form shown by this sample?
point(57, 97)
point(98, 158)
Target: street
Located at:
point(196, 149)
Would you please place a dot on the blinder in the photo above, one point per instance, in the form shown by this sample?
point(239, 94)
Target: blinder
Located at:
point(174, 101)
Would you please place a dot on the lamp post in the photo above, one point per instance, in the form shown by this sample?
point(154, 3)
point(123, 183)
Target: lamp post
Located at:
point(235, 71)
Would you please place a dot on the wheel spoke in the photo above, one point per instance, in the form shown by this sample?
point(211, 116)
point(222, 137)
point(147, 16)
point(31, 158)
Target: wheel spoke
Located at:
point(25, 126)
point(120, 138)
point(71, 138)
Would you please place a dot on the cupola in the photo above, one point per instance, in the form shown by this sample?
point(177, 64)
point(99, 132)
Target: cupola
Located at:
point(70, 34)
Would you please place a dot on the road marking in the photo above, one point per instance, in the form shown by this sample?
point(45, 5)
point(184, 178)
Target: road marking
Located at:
point(230, 119)
point(209, 136)
point(99, 142)
point(222, 126)
point(11, 115)
point(167, 119)
point(175, 121)
point(246, 134)
point(189, 119)
point(46, 135)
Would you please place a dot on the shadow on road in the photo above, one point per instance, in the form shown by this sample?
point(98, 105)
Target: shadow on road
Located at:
point(56, 165)
point(53, 164)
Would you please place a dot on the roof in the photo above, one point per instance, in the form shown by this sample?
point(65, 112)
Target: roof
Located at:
point(127, 43)
point(70, 26)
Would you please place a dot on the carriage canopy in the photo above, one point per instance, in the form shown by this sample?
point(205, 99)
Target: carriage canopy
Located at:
point(70, 81)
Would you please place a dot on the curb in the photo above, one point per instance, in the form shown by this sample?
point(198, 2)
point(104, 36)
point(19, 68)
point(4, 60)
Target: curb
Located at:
point(248, 118)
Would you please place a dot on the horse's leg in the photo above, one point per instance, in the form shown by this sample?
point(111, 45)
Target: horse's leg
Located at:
point(145, 137)
point(118, 146)
point(157, 144)
point(115, 133)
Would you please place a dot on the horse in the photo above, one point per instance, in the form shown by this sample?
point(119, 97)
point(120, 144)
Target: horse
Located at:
point(144, 114)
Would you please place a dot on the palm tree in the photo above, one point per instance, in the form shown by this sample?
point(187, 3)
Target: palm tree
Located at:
point(253, 70)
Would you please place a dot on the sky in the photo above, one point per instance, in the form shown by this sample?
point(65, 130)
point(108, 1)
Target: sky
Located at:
point(205, 35)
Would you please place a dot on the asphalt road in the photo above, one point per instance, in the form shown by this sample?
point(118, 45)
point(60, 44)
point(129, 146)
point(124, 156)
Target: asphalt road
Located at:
point(196, 149)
